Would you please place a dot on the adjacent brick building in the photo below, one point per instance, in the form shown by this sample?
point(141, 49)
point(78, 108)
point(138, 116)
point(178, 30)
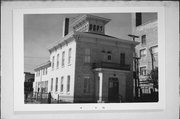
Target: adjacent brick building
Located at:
point(88, 66)
point(147, 50)
point(28, 82)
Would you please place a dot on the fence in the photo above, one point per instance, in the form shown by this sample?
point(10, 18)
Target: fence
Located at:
point(40, 98)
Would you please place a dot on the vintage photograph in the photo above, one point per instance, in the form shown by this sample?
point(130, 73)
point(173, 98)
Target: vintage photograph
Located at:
point(91, 58)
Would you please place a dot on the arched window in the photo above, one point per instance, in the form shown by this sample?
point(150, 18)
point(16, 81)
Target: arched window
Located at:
point(90, 27)
point(51, 84)
point(68, 83)
point(56, 88)
point(52, 62)
point(69, 56)
point(94, 27)
point(62, 84)
point(57, 61)
point(63, 58)
point(101, 29)
point(97, 27)
point(109, 57)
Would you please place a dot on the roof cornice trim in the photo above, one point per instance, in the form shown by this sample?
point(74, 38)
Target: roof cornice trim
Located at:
point(60, 42)
point(109, 38)
point(86, 16)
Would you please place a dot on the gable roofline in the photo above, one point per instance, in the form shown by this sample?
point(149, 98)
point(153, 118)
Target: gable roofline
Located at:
point(41, 66)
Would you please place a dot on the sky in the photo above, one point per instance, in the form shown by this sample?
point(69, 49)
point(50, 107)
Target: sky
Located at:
point(41, 30)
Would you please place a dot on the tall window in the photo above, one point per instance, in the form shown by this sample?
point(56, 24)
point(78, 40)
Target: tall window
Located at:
point(56, 89)
point(97, 27)
point(87, 55)
point(63, 58)
point(86, 85)
point(101, 29)
point(94, 27)
point(62, 80)
point(109, 57)
point(143, 39)
point(57, 61)
point(90, 27)
point(122, 58)
point(143, 70)
point(154, 51)
point(52, 62)
point(142, 53)
point(43, 71)
point(46, 71)
point(69, 56)
point(46, 86)
point(68, 83)
point(51, 84)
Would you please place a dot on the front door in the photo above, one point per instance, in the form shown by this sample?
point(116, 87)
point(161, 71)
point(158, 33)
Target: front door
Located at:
point(113, 92)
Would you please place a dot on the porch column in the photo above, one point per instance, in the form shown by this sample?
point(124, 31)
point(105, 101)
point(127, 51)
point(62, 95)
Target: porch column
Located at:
point(100, 86)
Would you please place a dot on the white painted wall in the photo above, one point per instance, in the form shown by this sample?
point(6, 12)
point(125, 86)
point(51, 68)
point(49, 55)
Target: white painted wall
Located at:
point(67, 69)
point(171, 110)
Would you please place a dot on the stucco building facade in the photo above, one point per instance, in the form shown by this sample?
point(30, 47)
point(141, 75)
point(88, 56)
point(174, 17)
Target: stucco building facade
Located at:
point(88, 66)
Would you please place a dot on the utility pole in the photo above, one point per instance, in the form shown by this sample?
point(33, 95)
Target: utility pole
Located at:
point(136, 68)
point(152, 58)
point(137, 84)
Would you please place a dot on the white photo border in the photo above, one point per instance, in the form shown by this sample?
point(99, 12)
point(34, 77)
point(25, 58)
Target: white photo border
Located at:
point(18, 61)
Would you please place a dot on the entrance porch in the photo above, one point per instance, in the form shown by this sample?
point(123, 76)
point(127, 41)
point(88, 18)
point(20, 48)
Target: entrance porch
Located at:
point(110, 85)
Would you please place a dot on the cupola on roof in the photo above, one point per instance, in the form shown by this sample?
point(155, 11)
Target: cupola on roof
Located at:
point(89, 23)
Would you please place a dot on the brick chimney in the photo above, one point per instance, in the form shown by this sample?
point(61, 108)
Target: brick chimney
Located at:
point(65, 26)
